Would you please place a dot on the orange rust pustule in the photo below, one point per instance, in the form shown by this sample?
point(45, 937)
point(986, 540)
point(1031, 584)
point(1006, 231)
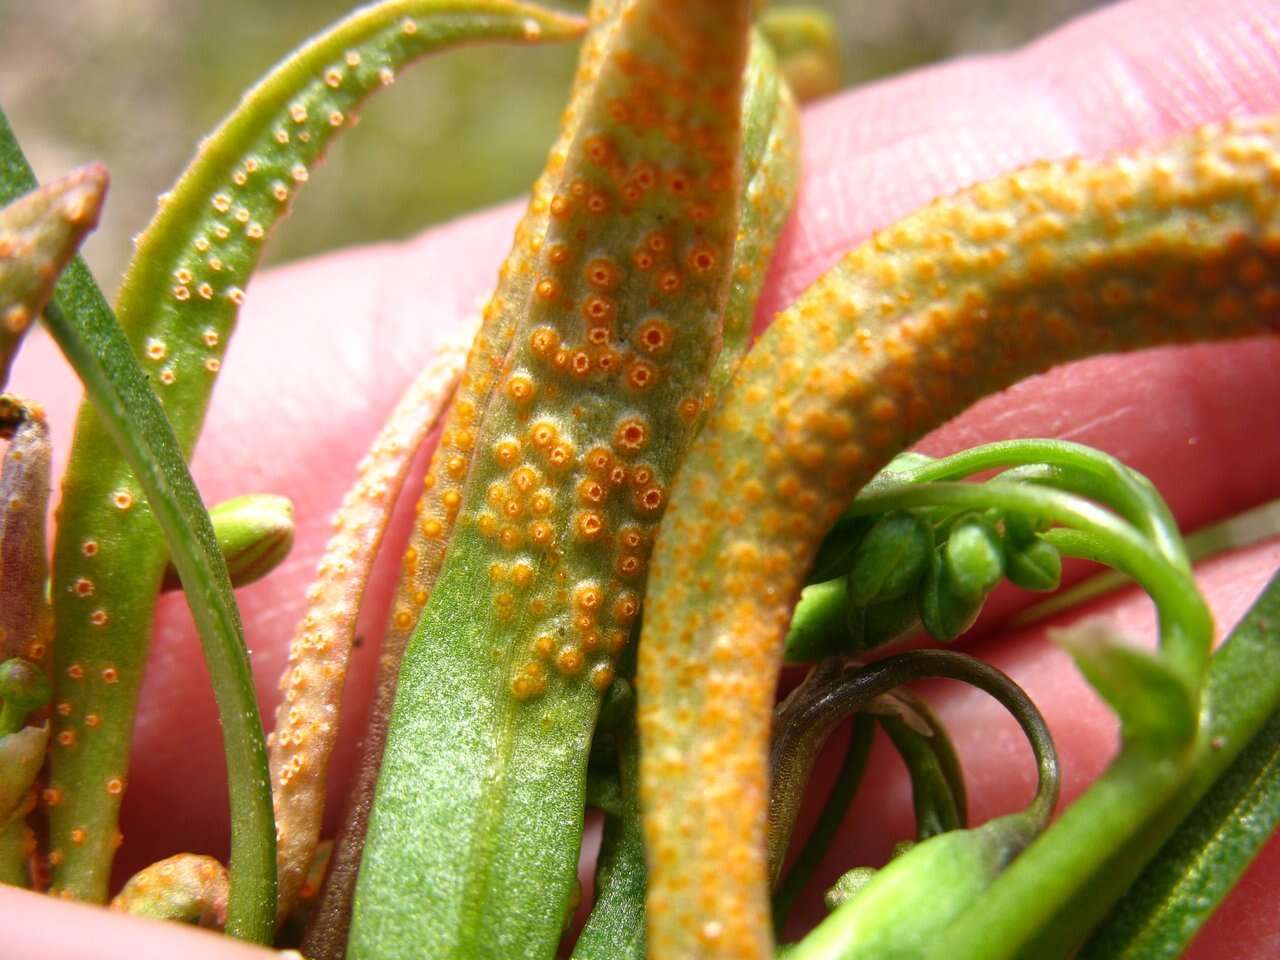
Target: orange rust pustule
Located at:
point(1053, 262)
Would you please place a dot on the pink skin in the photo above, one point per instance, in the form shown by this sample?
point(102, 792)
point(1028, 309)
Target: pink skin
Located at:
point(1131, 73)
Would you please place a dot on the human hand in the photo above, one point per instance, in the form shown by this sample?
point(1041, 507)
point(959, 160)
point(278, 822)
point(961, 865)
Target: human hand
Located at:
point(1201, 422)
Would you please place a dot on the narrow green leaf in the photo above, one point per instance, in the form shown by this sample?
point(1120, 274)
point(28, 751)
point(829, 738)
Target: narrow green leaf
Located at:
point(1201, 863)
point(85, 329)
point(1162, 908)
point(615, 929)
point(179, 300)
point(1156, 707)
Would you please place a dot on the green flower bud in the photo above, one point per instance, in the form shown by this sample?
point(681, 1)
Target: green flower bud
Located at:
point(974, 558)
point(255, 534)
point(1022, 528)
point(819, 623)
point(883, 623)
point(836, 553)
point(946, 611)
point(23, 688)
point(890, 560)
point(1033, 565)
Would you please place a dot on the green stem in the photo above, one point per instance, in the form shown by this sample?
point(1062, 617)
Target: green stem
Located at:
point(1086, 471)
point(817, 844)
point(1242, 530)
point(1243, 690)
point(101, 357)
point(615, 929)
point(936, 806)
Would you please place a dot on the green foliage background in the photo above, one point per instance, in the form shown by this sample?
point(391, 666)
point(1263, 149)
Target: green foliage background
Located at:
point(136, 83)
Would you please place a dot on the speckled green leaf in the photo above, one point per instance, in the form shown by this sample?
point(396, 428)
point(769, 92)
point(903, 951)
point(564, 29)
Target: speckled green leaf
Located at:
point(480, 797)
point(178, 305)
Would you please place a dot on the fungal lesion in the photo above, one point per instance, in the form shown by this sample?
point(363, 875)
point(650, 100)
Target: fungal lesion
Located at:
point(186, 888)
point(1046, 264)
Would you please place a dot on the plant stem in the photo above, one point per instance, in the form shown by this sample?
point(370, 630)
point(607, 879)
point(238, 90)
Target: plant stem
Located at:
point(816, 845)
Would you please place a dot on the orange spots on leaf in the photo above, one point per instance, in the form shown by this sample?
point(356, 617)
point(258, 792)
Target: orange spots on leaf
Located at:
point(599, 149)
point(631, 435)
point(544, 341)
point(641, 375)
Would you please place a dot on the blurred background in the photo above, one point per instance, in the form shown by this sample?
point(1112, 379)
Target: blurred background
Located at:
point(136, 83)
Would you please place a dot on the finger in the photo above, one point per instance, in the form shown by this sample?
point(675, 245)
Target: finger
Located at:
point(44, 928)
point(324, 345)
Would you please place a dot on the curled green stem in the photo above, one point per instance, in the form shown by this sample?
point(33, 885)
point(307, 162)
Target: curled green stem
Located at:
point(1086, 471)
point(1185, 623)
point(816, 845)
point(807, 717)
point(937, 796)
